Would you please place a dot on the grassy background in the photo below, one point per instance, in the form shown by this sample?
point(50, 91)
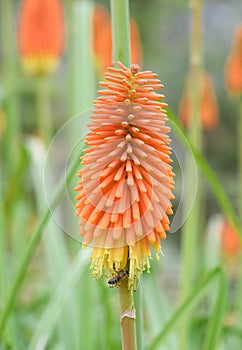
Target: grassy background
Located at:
point(48, 298)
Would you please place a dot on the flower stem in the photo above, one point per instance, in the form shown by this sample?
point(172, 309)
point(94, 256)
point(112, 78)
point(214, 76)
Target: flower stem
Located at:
point(120, 31)
point(10, 150)
point(195, 71)
point(238, 305)
point(43, 105)
point(190, 231)
point(81, 96)
point(127, 320)
point(121, 52)
point(82, 65)
point(240, 158)
point(9, 76)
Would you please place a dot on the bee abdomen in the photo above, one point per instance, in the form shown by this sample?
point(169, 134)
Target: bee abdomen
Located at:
point(119, 276)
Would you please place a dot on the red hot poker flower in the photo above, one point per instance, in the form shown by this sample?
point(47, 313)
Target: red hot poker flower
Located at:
point(40, 35)
point(126, 180)
point(135, 43)
point(102, 37)
point(233, 67)
point(208, 104)
point(230, 242)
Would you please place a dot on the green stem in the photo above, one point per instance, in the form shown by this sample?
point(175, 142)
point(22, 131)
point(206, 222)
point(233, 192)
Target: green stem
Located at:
point(35, 237)
point(82, 65)
point(191, 228)
point(3, 250)
point(120, 31)
point(9, 75)
point(127, 319)
point(215, 323)
point(238, 304)
point(2, 246)
point(82, 94)
point(240, 158)
point(138, 301)
point(121, 52)
point(10, 149)
point(43, 106)
point(195, 71)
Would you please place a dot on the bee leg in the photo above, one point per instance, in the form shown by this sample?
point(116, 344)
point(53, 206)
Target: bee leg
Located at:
point(114, 267)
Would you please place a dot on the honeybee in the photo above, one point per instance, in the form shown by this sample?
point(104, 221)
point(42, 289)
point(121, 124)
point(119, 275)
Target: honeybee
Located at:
point(121, 274)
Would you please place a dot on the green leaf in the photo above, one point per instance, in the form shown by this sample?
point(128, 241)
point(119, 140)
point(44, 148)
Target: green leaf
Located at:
point(60, 295)
point(215, 324)
point(34, 240)
point(196, 293)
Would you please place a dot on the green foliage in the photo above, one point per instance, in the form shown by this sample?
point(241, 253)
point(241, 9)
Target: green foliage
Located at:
point(48, 297)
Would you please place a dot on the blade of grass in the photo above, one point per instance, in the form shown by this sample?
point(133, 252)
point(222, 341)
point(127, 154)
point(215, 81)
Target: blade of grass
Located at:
point(211, 177)
point(10, 142)
point(33, 242)
point(157, 310)
point(83, 89)
point(3, 261)
point(3, 245)
point(215, 324)
point(9, 74)
point(57, 256)
point(238, 304)
point(43, 108)
point(82, 95)
point(21, 217)
point(11, 231)
point(236, 332)
point(60, 295)
point(239, 148)
point(193, 297)
point(189, 242)
point(109, 327)
point(139, 302)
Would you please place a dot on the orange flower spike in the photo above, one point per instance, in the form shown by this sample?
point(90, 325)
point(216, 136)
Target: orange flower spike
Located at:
point(135, 43)
point(102, 37)
point(230, 242)
point(233, 67)
point(208, 104)
point(126, 181)
point(40, 35)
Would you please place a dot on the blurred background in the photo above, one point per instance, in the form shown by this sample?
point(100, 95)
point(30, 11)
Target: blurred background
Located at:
point(58, 303)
